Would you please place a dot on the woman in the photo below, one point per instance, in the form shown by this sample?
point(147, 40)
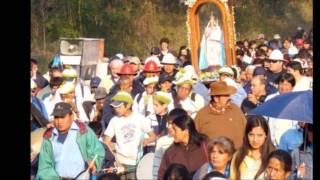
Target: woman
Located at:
point(250, 161)
point(302, 157)
point(279, 165)
point(177, 171)
point(188, 148)
point(184, 56)
point(220, 151)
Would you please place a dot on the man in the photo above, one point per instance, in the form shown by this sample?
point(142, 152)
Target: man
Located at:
point(134, 61)
point(276, 67)
point(36, 76)
point(303, 83)
point(114, 67)
point(260, 71)
point(185, 98)
point(257, 96)
point(69, 148)
point(221, 117)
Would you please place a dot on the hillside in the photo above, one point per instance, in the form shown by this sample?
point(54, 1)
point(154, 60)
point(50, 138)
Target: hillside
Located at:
point(134, 26)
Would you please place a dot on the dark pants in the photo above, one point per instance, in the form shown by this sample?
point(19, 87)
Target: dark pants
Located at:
point(148, 149)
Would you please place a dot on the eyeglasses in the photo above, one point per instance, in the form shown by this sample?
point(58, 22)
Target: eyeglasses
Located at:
point(273, 61)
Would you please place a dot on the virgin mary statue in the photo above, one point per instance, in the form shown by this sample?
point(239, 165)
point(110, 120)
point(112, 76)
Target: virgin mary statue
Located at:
point(212, 52)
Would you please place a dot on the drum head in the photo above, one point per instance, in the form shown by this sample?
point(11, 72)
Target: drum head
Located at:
point(145, 166)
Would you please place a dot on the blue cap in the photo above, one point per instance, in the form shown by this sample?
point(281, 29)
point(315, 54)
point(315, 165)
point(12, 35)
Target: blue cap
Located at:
point(94, 82)
point(259, 71)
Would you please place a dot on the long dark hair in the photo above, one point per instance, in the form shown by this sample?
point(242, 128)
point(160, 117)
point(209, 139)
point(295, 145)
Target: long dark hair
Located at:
point(267, 147)
point(186, 122)
point(308, 127)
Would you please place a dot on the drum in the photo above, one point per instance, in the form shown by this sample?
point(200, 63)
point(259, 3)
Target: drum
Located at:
point(36, 141)
point(145, 166)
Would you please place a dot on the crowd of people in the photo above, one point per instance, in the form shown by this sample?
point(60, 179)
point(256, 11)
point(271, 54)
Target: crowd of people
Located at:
point(193, 129)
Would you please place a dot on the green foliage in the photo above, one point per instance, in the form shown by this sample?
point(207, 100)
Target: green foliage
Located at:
point(134, 26)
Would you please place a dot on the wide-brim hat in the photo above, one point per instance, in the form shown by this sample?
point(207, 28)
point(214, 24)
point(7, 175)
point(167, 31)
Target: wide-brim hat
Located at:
point(169, 59)
point(163, 97)
point(221, 88)
point(150, 80)
point(101, 93)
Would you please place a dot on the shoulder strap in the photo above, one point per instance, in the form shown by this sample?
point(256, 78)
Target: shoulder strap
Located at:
point(193, 96)
point(139, 97)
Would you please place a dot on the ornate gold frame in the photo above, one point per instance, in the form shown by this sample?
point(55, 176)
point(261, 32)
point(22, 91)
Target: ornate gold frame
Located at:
point(227, 15)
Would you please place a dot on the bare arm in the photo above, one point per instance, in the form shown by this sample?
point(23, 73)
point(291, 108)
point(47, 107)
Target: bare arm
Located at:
point(152, 138)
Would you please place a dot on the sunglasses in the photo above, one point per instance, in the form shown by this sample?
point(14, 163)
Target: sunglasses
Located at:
point(273, 61)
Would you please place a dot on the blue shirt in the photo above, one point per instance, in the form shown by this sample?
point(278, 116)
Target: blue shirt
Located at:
point(291, 139)
point(67, 155)
point(239, 96)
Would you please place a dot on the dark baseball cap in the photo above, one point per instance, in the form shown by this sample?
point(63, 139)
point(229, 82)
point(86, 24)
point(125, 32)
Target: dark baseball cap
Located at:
point(155, 50)
point(61, 109)
point(259, 71)
point(95, 81)
point(165, 77)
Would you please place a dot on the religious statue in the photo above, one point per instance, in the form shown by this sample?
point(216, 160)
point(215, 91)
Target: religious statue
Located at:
point(212, 52)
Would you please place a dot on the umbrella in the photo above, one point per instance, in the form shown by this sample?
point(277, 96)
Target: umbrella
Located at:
point(296, 106)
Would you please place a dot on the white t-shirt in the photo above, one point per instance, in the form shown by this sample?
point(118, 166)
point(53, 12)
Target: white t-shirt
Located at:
point(129, 132)
point(303, 84)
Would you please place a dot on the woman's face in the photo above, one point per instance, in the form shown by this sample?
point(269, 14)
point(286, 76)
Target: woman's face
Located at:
point(179, 135)
point(219, 158)
point(166, 86)
point(150, 88)
point(256, 137)
point(275, 170)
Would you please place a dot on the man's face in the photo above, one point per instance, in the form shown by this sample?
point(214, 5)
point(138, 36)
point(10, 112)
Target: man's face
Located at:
point(54, 89)
point(249, 74)
point(222, 100)
point(275, 66)
point(183, 91)
point(151, 74)
point(99, 104)
point(256, 86)
point(68, 98)
point(285, 87)
point(63, 124)
point(168, 68)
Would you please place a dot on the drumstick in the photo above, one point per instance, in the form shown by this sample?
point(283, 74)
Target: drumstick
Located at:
point(92, 162)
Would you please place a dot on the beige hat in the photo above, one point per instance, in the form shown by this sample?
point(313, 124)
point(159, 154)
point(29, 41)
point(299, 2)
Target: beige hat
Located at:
point(149, 80)
point(169, 59)
point(226, 70)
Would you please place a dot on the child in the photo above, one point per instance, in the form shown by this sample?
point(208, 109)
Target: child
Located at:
point(128, 127)
point(143, 101)
point(158, 119)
